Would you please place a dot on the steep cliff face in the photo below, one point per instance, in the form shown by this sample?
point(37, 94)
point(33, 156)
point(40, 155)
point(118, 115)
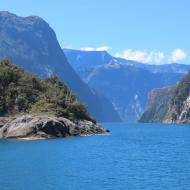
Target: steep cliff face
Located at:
point(179, 107)
point(125, 83)
point(31, 43)
point(169, 105)
point(158, 103)
point(127, 87)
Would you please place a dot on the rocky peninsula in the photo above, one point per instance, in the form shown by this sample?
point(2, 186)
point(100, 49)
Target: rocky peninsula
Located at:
point(34, 108)
point(30, 127)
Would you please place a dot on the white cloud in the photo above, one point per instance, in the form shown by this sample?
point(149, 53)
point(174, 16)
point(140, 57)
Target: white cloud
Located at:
point(177, 55)
point(143, 56)
point(102, 48)
point(87, 49)
point(68, 46)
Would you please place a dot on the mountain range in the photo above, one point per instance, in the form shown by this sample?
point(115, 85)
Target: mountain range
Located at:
point(32, 44)
point(125, 83)
point(113, 88)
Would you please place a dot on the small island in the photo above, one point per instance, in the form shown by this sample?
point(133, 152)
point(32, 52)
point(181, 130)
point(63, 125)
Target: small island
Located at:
point(34, 108)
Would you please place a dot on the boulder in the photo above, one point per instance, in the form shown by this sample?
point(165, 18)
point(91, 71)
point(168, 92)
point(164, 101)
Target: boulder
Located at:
point(43, 127)
point(3, 121)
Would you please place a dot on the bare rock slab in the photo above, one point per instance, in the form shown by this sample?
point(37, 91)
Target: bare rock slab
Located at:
point(43, 127)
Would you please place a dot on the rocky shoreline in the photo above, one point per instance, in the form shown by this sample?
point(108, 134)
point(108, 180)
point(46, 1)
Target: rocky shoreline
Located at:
point(28, 127)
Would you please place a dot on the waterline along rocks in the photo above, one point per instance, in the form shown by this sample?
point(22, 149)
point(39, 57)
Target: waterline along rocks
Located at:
point(31, 107)
point(44, 127)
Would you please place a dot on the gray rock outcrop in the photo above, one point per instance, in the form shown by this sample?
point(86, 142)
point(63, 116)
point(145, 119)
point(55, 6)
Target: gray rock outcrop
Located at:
point(170, 105)
point(3, 121)
point(43, 127)
point(158, 103)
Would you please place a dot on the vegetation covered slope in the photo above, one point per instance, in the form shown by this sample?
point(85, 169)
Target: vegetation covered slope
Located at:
point(22, 92)
point(32, 44)
point(158, 102)
point(170, 105)
point(179, 107)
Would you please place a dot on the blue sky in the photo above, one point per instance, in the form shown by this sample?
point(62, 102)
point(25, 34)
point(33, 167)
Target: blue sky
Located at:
point(151, 31)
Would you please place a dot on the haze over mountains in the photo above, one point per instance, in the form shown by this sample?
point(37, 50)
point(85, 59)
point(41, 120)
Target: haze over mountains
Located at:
point(31, 43)
point(112, 88)
point(125, 83)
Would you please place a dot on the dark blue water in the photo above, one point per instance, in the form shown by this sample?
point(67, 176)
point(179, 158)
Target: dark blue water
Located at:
point(132, 157)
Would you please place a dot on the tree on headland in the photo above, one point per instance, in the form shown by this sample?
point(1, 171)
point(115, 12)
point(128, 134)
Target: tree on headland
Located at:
point(22, 92)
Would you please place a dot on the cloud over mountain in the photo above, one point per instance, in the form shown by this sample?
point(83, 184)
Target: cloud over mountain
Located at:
point(102, 48)
point(151, 56)
point(143, 56)
point(177, 55)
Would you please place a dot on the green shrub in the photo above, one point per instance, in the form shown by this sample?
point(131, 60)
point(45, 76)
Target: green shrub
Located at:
point(22, 92)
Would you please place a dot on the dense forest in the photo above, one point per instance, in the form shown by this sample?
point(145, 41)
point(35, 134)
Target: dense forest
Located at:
point(22, 92)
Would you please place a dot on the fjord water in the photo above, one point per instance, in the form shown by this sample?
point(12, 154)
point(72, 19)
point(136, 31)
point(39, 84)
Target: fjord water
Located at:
point(132, 156)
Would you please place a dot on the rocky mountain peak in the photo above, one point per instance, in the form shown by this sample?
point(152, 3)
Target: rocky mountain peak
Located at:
point(32, 44)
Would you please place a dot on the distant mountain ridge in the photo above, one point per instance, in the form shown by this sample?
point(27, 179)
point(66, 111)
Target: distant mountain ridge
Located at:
point(91, 59)
point(32, 44)
point(127, 87)
point(125, 83)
